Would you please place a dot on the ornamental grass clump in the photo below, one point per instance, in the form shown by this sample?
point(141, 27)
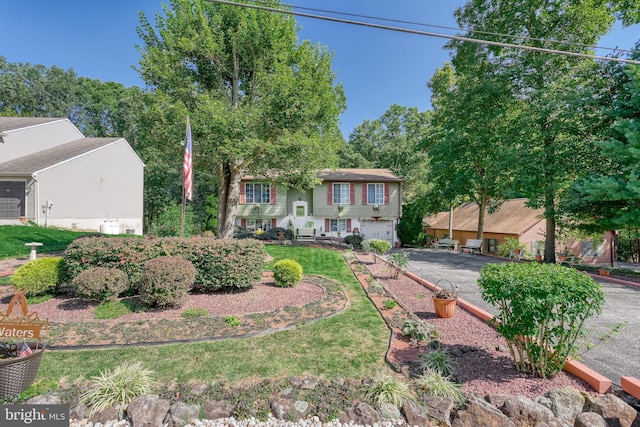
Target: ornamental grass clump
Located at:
point(433, 383)
point(287, 273)
point(542, 311)
point(100, 284)
point(166, 281)
point(39, 276)
point(386, 388)
point(117, 387)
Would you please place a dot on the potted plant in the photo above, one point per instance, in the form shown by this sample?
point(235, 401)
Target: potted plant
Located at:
point(604, 270)
point(445, 301)
point(538, 255)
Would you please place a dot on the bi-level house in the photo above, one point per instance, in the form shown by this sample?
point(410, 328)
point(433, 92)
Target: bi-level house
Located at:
point(347, 201)
point(51, 174)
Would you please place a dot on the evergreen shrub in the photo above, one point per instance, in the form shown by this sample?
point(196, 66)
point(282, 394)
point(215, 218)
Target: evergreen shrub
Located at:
point(379, 246)
point(166, 281)
point(39, 276)
point(355, 240)
point(287, 273)
point(100, 284)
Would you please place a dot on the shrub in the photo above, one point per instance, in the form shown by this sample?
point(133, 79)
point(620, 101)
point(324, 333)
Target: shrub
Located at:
point(379, 246)
point(542, 310)
point(355, 240)
point(398, 261)
point(166, 281)
point(388, 389)
point(100, 284)
point(433, 383)
point(510, 244)
point(418, 330)
point(287, 273)
point(390, 303)
point(39, 276)
point(117, 387)
point(272, 234)
point(437, 360)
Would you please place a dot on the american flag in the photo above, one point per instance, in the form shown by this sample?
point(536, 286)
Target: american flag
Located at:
point(187, 166)
point(25, 351)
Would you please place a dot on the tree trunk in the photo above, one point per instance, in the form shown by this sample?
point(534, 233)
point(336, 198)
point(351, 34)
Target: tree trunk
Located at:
point(228, 198)
point(550, 240)
point(482, 207)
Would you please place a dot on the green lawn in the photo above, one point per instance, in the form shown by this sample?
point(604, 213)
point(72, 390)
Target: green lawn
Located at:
point(13, 238)
point(350, 344)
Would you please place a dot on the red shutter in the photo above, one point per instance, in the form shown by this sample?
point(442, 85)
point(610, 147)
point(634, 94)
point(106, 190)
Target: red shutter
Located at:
point(352, 193)
point(243, 199)
point(364, 193)
point(273, 223)
point(348, 225)
point(243, 223)
point(329, 193)
point(386, 193)
point(327, 225)
point(273, 194)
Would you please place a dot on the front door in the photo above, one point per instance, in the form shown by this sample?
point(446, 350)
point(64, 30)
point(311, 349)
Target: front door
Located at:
point(300, 214)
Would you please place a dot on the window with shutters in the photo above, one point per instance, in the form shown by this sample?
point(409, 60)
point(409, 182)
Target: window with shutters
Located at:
point(341, 192)
point(258, 224)
point(339, 225)
point(258, 193)
point(375, 194)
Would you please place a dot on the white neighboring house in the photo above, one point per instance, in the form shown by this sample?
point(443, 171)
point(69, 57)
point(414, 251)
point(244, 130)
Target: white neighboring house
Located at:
point(52, 175)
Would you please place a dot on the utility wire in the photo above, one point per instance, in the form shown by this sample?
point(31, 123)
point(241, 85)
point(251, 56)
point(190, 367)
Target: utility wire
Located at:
point(428, 33)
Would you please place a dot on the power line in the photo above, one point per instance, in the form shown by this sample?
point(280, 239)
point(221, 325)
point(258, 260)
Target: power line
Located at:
point(428, 33)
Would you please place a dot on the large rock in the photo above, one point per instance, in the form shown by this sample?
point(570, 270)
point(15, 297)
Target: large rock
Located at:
point(614, 410)
point(439, 408)
point(45, 399)
point(289, 410)
point(362, 414)
point(180, 414)
point(566, 403)
point(389, 411)
point(109, 414)
point(218, 409)
point(415, 414)
point(478, 412)
point(148, 411)
point(590, 419)
point(525, 412)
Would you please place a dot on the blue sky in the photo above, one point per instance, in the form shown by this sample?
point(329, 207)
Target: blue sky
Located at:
point(377, 68)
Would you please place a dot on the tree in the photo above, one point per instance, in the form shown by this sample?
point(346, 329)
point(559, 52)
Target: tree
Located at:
point(561, 96)
point(610, 199)
point(260, 103)
point(467, 146)
point(394, 141)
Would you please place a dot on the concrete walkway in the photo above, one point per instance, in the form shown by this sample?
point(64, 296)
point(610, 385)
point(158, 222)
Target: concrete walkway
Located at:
point(618, 357)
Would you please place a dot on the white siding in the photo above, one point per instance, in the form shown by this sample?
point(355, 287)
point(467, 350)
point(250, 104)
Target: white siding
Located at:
point(20, 142)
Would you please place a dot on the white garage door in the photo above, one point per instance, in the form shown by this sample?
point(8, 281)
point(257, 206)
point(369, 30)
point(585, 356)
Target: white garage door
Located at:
point(382, 230)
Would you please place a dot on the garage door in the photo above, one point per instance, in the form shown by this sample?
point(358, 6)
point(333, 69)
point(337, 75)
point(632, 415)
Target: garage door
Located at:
point(382, 230)
point(11, 199)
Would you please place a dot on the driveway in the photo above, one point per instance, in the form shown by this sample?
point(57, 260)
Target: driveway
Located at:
point(613, 359)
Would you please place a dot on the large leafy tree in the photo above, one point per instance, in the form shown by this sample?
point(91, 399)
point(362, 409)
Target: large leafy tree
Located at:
point(260, 102)
point(561, 96)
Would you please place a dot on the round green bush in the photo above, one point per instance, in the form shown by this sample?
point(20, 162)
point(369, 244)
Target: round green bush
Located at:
point(166, 281)
point(379, 246)
point(287, 273)
point(100, 283)
point(39, 276)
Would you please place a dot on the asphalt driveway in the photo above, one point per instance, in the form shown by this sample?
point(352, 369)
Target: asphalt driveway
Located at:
point(620, 356)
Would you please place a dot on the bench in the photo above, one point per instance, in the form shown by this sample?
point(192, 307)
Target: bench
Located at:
point(445, 243)
point(306, 234)
point(472, 245)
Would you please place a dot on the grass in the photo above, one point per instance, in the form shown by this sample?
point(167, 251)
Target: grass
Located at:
point(349, 344)
point(13, 238)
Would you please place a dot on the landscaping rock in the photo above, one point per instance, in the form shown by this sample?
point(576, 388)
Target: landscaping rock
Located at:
point(478, 412)
point(287, 409)
point(590, 419)
point(45, 399)
point(389, 411)
point(180, 414)
point(109, 414)
point(148, 411)
point(497, 399)
point(80, 412)
point(525, 412)
point(218, 409)
point(439, 408)
point(362, 414)
point(415, 414)
point(566, 403)
point(199, 389)
point(614, 410)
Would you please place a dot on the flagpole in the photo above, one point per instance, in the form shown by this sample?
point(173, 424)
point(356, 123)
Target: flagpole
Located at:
point(184, 202)
point(187, 175)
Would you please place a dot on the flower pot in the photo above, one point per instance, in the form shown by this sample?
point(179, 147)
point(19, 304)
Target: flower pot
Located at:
point(538, 257)
point(604, 272)
point(281, 235)
point(17, 374)
point(445, 308)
